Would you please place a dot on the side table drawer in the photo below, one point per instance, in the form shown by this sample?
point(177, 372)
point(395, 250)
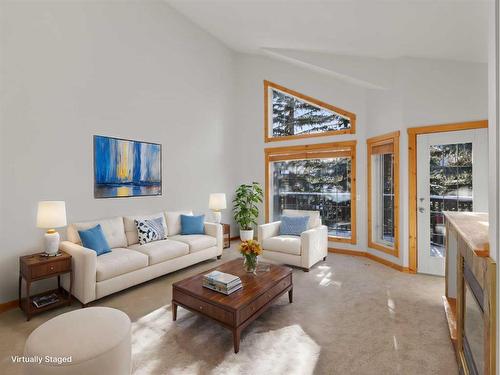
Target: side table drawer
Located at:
point(50, 268)
point(255, 305)
point(204, 308)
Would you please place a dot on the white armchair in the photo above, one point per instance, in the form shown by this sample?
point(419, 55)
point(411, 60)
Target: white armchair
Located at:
point(303, 251)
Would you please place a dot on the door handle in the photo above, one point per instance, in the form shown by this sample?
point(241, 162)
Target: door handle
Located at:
point(421, 210)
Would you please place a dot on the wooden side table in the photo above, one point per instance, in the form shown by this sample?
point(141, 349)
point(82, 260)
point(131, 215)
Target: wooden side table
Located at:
point(38, 267)
point(226, 235)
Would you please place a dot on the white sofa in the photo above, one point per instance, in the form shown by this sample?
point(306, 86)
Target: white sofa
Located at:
point(130, 263)
point(303, 251)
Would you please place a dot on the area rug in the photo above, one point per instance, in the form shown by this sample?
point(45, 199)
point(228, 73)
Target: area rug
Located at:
point(197, 345)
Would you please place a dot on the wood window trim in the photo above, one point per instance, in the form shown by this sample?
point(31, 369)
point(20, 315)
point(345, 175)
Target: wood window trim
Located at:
point(267, 138)
point(412, 177)
point(290, 151)
point(383, 142)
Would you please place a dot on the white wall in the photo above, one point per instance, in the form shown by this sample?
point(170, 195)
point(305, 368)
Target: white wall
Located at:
point(419, 92)
point(251, 71)
point(133, 70)
point(142, 71)
point(424, 92)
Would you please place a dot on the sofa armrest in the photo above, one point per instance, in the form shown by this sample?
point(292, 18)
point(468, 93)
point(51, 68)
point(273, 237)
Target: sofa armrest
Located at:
point(83, 262)
point(268, 230)
point(314, 245)
point(215, 230)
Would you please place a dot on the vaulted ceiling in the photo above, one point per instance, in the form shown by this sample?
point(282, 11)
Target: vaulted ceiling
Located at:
point(440, 29)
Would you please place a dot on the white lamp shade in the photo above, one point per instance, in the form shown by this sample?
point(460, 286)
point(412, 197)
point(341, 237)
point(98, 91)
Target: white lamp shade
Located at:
point(217, 201)
point(51, 214)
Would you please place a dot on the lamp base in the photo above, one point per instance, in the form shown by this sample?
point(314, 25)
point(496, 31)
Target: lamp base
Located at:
point(52, 243)
point(44, 254)
point(216, 217)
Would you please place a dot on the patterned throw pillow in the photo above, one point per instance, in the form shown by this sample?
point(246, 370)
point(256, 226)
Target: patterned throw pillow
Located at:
point(293, 225)
point(150, 230)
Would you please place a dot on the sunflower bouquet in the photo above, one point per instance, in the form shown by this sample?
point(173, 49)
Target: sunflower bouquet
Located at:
point(250, 250)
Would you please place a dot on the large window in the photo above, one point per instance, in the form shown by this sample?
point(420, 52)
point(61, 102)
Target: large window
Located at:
point(315, 177)
point(383, 193)
point(290, 115)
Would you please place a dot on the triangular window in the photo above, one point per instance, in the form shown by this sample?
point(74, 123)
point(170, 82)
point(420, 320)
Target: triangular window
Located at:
point(294, 115)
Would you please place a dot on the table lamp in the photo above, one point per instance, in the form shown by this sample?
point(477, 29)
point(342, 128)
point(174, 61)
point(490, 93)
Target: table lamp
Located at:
point(50, 215)
point(217, 202)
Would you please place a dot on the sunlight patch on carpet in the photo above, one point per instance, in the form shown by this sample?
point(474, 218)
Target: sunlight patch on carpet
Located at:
point(195, 344)
point(287, 350)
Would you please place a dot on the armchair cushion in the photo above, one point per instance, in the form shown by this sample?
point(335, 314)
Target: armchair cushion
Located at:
point(293, 225)
point(314, 216)
point(283, 244)
point(268, 230)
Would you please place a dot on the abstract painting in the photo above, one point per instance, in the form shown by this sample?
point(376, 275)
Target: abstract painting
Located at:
point(125, 168)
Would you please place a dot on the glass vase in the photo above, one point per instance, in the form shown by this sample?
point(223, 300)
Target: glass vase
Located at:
point(250, 263)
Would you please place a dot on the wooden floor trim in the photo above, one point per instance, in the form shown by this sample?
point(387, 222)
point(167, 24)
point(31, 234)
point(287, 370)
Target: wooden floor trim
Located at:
point(450, 309)
point(8, 305)
point(375, 258)
point(347, 252)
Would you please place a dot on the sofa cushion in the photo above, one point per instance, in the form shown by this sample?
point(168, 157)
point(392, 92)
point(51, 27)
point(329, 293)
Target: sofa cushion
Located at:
point(113, 229)
point(118, 262)
point(150, 230)
point(283, 244)
point(314, 216)
point(196, 242)
point(160, 251)
point(191, 224)
point(131, 228)
point(174, 221)
point(94, 239)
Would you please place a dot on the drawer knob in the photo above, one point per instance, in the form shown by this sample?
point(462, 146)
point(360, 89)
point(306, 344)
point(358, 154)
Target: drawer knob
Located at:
point(51, 268)
point(201, 307)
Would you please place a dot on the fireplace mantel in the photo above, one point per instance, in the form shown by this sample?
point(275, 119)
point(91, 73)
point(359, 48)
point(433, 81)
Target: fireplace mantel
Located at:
point(470, 298)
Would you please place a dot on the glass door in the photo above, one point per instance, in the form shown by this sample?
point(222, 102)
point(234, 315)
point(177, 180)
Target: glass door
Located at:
point(452, 175)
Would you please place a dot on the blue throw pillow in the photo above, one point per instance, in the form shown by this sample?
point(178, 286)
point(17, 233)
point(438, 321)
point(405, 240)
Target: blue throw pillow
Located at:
point(192, 224)
point(95, 239)
point(293, 225)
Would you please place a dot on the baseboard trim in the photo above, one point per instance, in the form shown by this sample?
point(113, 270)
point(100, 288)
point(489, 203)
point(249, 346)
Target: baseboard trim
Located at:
point(370, 256)
point(355, 253)
point(8, 305)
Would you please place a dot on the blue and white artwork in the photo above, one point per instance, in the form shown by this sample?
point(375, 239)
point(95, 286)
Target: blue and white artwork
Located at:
point(124, 168)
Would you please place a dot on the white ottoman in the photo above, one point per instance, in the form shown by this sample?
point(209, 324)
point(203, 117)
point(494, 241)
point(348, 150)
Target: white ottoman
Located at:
point(93, 340)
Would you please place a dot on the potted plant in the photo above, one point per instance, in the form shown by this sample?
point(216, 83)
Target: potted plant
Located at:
point(245, 208)
point(250, 250)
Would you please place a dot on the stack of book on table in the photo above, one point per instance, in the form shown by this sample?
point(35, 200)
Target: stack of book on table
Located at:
point(222, 282)
point(44, 300)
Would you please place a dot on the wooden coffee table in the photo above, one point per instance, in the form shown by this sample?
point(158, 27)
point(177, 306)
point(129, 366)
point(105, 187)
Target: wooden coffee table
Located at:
point(239, 309)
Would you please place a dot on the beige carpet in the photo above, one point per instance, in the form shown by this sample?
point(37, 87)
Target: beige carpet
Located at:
point(349, 316)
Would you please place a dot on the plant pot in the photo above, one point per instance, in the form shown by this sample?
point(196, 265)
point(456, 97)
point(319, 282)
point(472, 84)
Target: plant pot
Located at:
point(246, 235)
